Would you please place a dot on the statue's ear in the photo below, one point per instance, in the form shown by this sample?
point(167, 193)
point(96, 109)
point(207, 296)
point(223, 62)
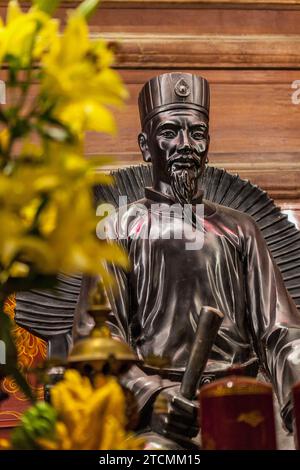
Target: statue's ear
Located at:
point(143, 144)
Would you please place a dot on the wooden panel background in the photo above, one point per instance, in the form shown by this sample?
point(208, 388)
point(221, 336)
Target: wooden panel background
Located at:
point(248, 50)
point(249, 53)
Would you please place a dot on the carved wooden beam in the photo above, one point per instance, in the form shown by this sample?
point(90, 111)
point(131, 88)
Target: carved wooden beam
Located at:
point(239, 4)
point(205, 51)
point(201, 3)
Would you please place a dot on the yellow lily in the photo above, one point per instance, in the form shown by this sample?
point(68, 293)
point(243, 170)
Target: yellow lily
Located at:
point(17, 37)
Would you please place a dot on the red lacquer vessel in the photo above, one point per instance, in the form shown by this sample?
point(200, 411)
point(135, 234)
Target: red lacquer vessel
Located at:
point(237, 413)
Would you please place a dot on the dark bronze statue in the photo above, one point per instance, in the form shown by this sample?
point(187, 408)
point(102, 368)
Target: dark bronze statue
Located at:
point(157, 304)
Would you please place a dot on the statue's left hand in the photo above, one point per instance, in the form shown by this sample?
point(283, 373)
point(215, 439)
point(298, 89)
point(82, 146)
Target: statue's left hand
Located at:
point(180, 416)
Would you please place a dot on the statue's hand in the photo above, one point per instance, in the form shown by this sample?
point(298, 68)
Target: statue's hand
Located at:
point(180, 416)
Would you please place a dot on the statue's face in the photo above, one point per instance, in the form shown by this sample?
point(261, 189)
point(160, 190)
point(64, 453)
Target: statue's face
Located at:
point(176, 141)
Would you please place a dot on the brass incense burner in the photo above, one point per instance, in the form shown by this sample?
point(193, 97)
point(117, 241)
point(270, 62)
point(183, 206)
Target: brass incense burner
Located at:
point(99, 352)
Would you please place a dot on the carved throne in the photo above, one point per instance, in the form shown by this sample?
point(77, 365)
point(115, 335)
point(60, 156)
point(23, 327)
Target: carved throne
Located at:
point(49, 314)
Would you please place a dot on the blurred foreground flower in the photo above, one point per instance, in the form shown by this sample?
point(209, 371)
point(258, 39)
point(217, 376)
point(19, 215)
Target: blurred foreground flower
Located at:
point(80, 418)
point(47, 218)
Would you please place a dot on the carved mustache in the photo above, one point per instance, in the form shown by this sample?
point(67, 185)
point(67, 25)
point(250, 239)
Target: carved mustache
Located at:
point(187, 159)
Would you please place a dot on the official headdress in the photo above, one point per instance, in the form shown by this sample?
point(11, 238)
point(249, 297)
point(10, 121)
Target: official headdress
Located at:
point(173, 91)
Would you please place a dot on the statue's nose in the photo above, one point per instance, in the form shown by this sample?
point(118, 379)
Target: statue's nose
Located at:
point(184, 145)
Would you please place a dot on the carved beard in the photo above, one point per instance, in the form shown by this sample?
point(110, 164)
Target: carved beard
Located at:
point(184, 183)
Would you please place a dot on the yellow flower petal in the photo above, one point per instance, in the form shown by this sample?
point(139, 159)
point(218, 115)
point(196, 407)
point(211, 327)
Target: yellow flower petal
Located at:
point(87, 115)
point(13, 11)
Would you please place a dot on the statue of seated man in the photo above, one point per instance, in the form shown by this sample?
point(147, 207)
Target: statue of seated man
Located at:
point(155, 305)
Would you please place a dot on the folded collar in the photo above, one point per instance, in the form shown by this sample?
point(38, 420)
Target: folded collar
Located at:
point(154, 195)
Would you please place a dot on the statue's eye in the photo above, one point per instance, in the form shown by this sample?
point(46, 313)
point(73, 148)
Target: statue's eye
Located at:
point(198, 135)
point(168, 134)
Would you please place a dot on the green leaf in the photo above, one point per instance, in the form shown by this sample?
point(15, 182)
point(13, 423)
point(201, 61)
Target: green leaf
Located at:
point(6, 337)
point(48, 6)
point(38, 421)
point(21, 127)
point(87, 8)
point(55, 133)
point(22, 440)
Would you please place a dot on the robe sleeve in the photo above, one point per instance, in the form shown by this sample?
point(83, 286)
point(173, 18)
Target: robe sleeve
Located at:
point(145, 387)
point(273, 319)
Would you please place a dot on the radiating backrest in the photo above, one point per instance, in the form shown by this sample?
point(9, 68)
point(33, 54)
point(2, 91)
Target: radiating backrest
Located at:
point(49, 313)
point(221, 187)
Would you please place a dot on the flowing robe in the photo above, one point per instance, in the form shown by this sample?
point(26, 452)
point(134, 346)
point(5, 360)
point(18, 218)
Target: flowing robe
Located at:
point(155, 306)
